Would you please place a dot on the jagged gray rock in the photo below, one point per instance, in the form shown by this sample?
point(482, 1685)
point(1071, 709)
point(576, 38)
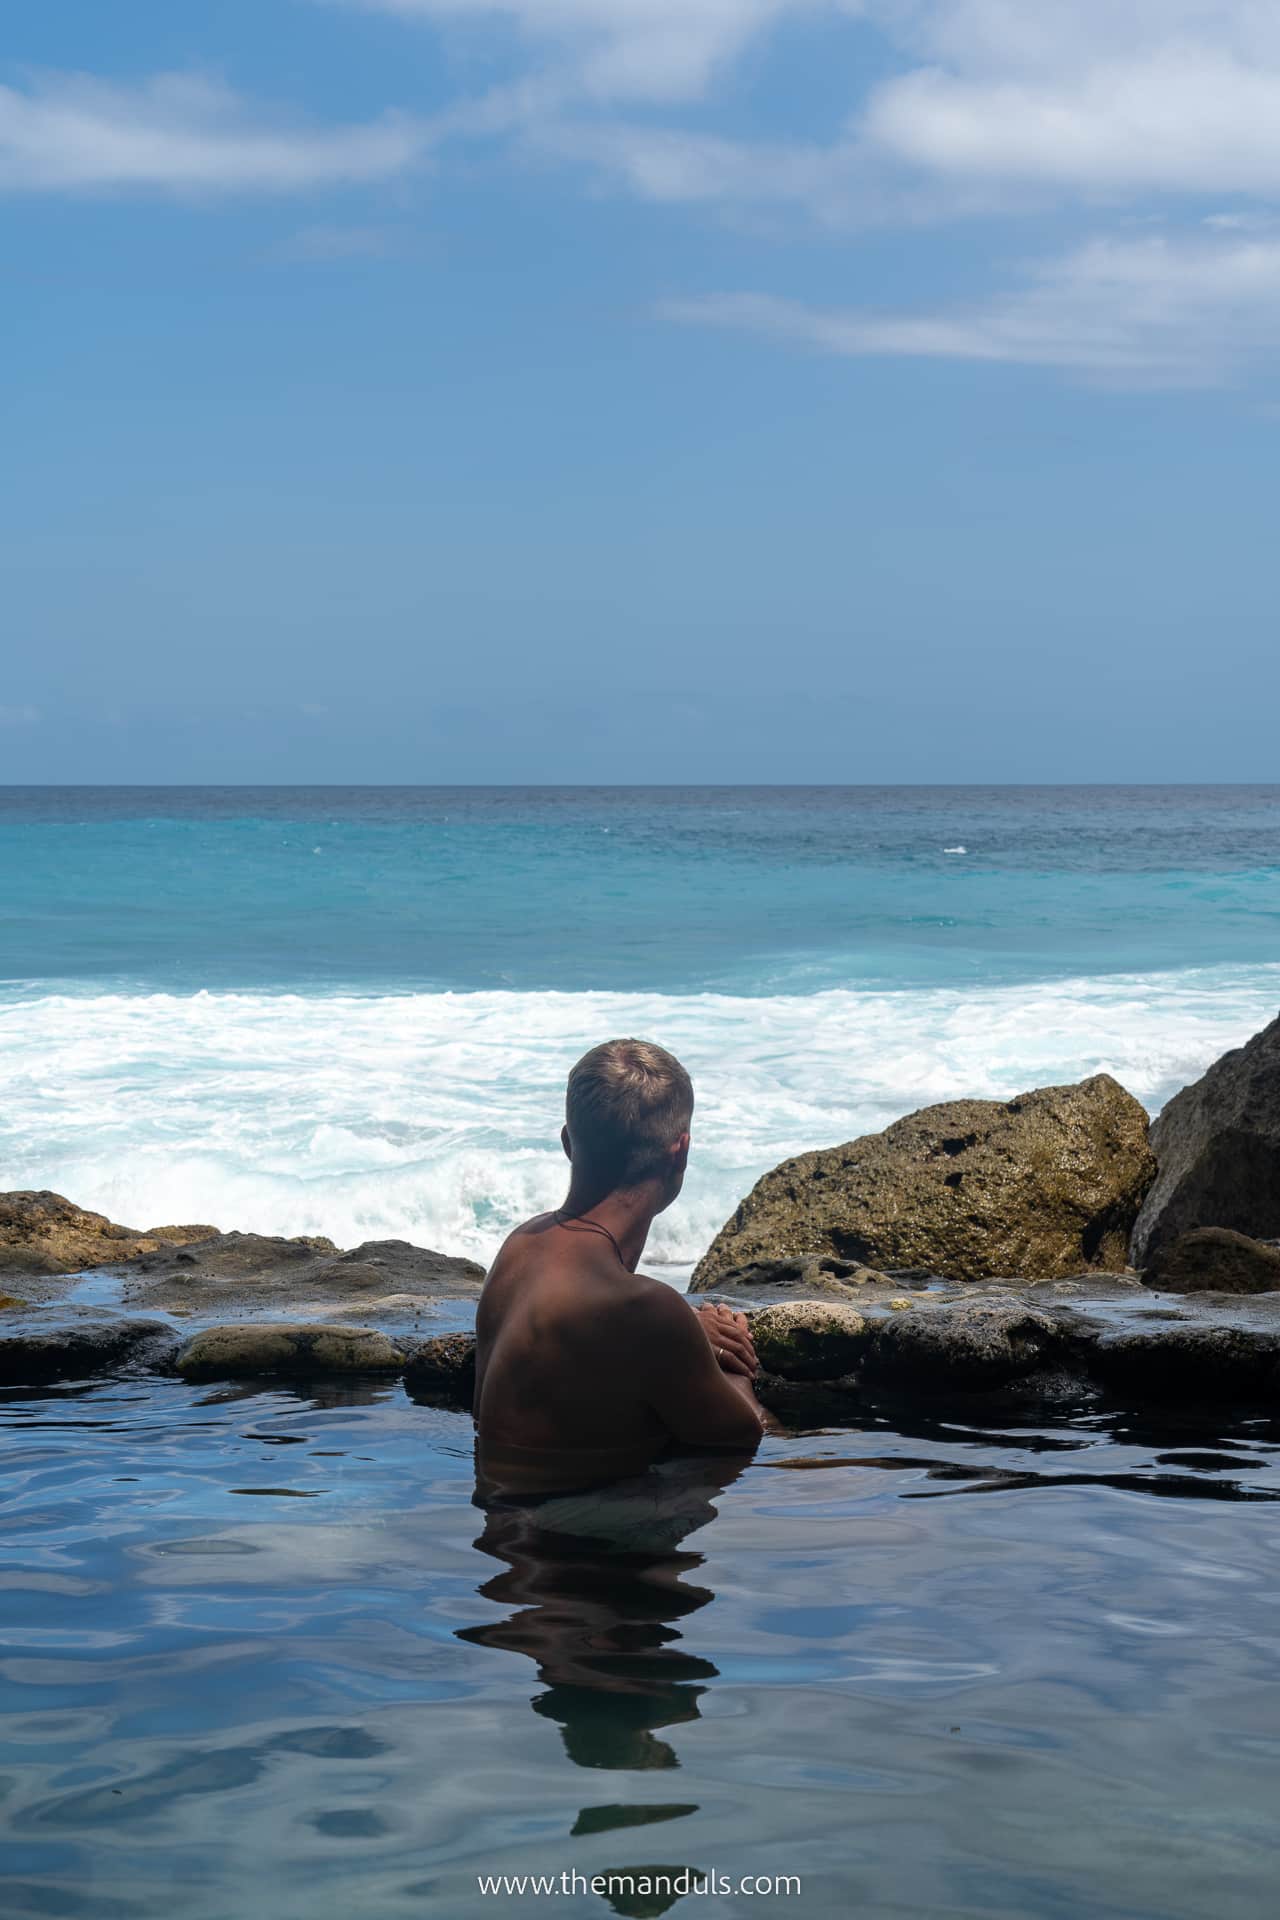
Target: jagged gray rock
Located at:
point(1217, 1147)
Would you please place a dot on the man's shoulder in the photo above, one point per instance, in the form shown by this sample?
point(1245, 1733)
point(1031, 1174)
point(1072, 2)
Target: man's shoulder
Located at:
point(529, 1229)
point(653, 1305)
point(520, 1243)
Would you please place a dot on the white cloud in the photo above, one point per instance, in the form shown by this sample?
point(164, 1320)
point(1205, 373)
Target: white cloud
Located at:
point(1156, 311)
point(1164, 109)
point(1179, 119)
point(998, 99)
point(181, 133)
point(628, 49)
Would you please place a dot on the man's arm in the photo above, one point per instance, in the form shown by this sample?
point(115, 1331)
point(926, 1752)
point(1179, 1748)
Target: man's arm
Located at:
point(694, 1397)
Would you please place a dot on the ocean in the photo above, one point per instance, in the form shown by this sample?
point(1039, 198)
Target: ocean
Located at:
point(351, 1010)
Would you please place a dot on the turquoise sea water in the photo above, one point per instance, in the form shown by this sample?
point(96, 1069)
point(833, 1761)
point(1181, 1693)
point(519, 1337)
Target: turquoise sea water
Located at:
point(754, 891)
point(351, 1011)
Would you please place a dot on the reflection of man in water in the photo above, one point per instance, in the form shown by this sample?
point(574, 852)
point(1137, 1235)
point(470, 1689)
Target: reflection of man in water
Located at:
point(596, 1586)
point(585, 1369)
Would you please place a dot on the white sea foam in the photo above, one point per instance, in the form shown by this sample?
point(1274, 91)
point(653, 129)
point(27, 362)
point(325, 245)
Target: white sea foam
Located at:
point(434, 1117)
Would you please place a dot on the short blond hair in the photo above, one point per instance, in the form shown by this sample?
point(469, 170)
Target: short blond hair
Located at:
point(626, 1105)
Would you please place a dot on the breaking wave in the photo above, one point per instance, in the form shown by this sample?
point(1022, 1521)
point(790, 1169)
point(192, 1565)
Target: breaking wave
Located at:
point(434, 1117)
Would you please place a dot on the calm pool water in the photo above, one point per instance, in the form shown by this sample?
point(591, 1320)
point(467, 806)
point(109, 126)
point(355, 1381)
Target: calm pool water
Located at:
point(261, 1656)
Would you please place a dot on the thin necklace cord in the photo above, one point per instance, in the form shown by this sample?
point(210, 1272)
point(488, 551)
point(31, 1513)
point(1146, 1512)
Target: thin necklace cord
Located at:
point(589, 1226)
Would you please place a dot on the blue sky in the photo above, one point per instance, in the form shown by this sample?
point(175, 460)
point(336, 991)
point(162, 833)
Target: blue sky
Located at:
point(640, 389)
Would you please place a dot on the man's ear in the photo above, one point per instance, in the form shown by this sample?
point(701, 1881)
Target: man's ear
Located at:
point(564, 1142)
point(680, 1152)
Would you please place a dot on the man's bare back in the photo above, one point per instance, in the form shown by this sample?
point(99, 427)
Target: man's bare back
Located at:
point(587, 1371)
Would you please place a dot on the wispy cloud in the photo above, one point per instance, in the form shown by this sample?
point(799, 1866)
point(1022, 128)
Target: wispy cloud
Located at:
point(997, 101)
point(1153, 311)
point(652, 50)
point(183, 133)
point(1131, 111)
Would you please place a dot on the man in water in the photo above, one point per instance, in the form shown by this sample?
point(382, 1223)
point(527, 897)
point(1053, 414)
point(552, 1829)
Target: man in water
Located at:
point(587, 1371)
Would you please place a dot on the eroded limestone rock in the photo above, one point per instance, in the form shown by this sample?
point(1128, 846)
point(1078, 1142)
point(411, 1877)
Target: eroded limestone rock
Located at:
point(42, 1232)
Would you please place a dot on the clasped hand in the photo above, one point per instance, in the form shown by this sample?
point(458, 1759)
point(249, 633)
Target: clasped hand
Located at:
point(730, 1338)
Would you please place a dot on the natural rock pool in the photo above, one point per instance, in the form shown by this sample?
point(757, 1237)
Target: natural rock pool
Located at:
point(260, 1654)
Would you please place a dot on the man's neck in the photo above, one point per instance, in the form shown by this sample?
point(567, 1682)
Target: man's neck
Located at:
point(628, 1215)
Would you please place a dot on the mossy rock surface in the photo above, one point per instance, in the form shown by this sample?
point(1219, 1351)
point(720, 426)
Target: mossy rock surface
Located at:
point(809, 1339)
point(286, 1347)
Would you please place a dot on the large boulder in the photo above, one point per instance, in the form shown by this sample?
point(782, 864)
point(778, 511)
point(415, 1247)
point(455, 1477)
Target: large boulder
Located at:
point(1038, 1187)
point(46, 1233)
point(1214, 1260)
point(1217, 1146)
